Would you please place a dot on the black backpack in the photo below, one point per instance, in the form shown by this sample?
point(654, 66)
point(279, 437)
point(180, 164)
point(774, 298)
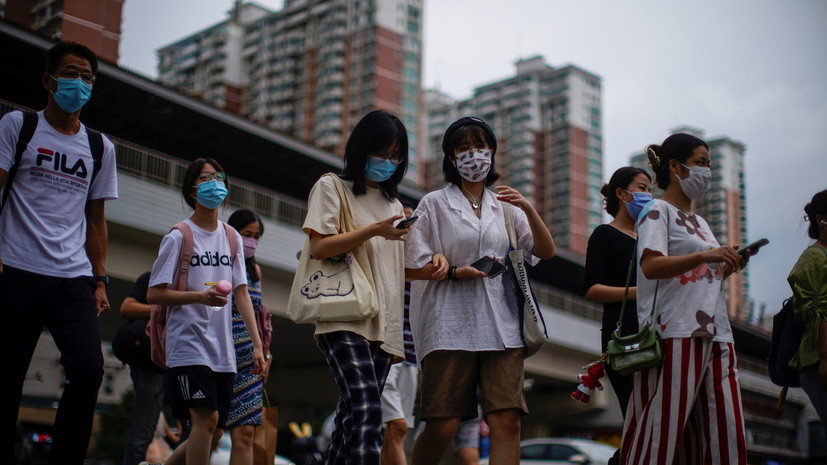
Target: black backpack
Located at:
point(25, 135)
point(786, 338)
point(131, 345)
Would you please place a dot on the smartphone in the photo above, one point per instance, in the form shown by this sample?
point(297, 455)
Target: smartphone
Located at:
point(406, 222)
point(492, 268)
point(753, 248)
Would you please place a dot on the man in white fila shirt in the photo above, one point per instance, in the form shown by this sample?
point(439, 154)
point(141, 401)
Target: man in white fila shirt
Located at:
point(53, 248)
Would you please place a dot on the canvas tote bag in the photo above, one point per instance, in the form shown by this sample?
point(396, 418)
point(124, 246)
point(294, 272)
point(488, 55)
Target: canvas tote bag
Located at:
point(339, 288)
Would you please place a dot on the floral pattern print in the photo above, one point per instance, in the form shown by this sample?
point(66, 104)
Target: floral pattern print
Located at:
point(707, 325)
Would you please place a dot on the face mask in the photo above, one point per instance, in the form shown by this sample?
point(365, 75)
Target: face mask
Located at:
point(696, 185)
point(211, 193)
point(379, 170)
point(639, 200)
point(474, 164)
point(250, 246)
point(71, 94)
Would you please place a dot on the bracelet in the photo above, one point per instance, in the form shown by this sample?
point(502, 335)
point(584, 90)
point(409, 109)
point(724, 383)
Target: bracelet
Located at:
point(452, 272)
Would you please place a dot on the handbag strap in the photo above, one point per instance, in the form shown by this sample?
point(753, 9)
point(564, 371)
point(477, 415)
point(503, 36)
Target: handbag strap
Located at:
point(346, 221)
point(629, 281)
point(509, 225)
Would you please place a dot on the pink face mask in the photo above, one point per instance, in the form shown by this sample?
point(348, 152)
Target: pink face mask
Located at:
point(250, 246)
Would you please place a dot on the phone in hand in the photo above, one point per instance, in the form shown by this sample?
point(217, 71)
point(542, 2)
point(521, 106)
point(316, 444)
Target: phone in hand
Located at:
point(492, 268)
point(754, 247)
point(406, 222)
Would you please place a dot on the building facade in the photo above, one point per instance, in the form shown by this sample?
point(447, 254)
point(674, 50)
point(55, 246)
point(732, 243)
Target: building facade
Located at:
point(310, 70)
point(94, 23)
point(724, 208)
point(548, 123)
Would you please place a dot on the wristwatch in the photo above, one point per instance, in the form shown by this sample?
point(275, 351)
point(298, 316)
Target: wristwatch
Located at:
point(102, 279)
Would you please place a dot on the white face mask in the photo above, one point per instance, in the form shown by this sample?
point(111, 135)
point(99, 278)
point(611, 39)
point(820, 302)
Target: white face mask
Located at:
point(696, 185)
point(474, 164)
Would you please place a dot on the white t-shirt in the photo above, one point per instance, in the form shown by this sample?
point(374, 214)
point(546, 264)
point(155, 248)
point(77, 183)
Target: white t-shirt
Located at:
point(386, 259)
point(464, 314)
point(691, 304)
point(43, 223)
point(197, 335)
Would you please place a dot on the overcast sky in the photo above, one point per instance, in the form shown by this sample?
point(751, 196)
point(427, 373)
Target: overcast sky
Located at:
point(751, 70)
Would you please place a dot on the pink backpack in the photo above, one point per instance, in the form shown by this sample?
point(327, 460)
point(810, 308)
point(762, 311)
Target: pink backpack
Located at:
point(157, 327)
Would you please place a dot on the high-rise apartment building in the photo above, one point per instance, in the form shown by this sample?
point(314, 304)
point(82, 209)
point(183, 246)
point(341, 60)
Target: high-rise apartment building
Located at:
point(724, 208)
point(310, 70)
point(548, 123)
point(94, 23)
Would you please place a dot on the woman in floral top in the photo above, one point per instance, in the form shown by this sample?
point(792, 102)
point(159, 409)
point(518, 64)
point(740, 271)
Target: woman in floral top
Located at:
point(690, 406)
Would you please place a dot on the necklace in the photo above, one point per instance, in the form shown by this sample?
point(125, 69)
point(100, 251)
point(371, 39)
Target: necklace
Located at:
point(475, 204)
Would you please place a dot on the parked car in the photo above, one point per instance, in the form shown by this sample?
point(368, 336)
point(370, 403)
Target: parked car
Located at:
point(221, 454)
point(563, 451)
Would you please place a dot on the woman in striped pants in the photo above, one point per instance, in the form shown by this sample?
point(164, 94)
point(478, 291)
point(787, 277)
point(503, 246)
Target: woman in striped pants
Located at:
point(688, 410)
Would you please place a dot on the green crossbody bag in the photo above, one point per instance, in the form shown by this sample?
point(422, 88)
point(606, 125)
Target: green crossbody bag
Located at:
point(644, 349)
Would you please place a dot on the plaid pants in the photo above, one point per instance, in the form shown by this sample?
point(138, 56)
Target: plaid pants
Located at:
point(360, 368)
point(688, 410)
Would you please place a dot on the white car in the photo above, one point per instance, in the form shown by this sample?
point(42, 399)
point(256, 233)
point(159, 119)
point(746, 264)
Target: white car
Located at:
point(221, 454)
point(563, 451)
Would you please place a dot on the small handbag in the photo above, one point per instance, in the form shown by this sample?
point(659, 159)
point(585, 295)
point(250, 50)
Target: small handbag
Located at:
point(338, 288)
point(628, 354)
point(518, 288)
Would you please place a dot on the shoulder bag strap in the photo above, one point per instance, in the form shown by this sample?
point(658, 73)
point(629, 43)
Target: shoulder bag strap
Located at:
point(509, 225)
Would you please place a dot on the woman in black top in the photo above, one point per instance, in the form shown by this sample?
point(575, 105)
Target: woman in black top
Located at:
point(607, 262)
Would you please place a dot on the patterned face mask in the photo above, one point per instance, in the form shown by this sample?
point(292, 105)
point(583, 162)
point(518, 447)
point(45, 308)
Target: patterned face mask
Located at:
point(473, 165)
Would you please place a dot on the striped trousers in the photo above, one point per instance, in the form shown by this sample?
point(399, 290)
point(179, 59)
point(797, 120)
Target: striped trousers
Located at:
point(687, 411)
point(360, 368)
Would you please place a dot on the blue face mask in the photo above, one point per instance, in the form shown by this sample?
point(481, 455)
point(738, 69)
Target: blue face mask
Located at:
point(379, 170)
point(71, 94)
point(639, 200)
point(211, 193)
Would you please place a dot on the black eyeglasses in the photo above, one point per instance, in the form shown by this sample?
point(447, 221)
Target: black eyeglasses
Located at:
point(395, 158)
point(207, 175)
point(70, 73)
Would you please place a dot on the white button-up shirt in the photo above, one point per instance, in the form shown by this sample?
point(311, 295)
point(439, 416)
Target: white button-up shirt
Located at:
point(463, 314)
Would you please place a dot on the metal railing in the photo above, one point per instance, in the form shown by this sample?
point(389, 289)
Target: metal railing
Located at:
point(168, 171)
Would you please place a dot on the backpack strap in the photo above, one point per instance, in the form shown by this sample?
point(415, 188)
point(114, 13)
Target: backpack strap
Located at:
point(184, 257)
point(96, 148)
point(23, 138)
point(231, 232)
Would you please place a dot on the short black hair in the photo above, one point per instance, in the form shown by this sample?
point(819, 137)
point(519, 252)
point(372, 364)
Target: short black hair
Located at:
point(620, 179)
point(61, 49)
point(817, 206)
point(192, 173)
point(678, 146)
point(375, 132)
point(458, 132)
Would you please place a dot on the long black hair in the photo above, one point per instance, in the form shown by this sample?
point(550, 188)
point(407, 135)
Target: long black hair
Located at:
point(375, 132)
point(239, 220)
point(678, 146)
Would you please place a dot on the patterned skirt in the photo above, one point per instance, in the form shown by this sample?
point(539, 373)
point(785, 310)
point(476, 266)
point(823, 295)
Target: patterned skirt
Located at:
point(245, 407)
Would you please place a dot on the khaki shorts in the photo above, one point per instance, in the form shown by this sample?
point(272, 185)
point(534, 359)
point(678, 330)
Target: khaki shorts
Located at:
point(448, 388)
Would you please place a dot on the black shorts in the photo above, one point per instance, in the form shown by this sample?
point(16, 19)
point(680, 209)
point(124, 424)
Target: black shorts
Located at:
point(197, 386)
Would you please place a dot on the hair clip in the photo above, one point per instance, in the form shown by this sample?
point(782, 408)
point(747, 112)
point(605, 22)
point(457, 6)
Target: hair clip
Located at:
point(654, 159)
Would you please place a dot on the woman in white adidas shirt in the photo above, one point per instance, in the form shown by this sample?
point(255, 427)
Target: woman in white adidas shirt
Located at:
point(199, 350)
